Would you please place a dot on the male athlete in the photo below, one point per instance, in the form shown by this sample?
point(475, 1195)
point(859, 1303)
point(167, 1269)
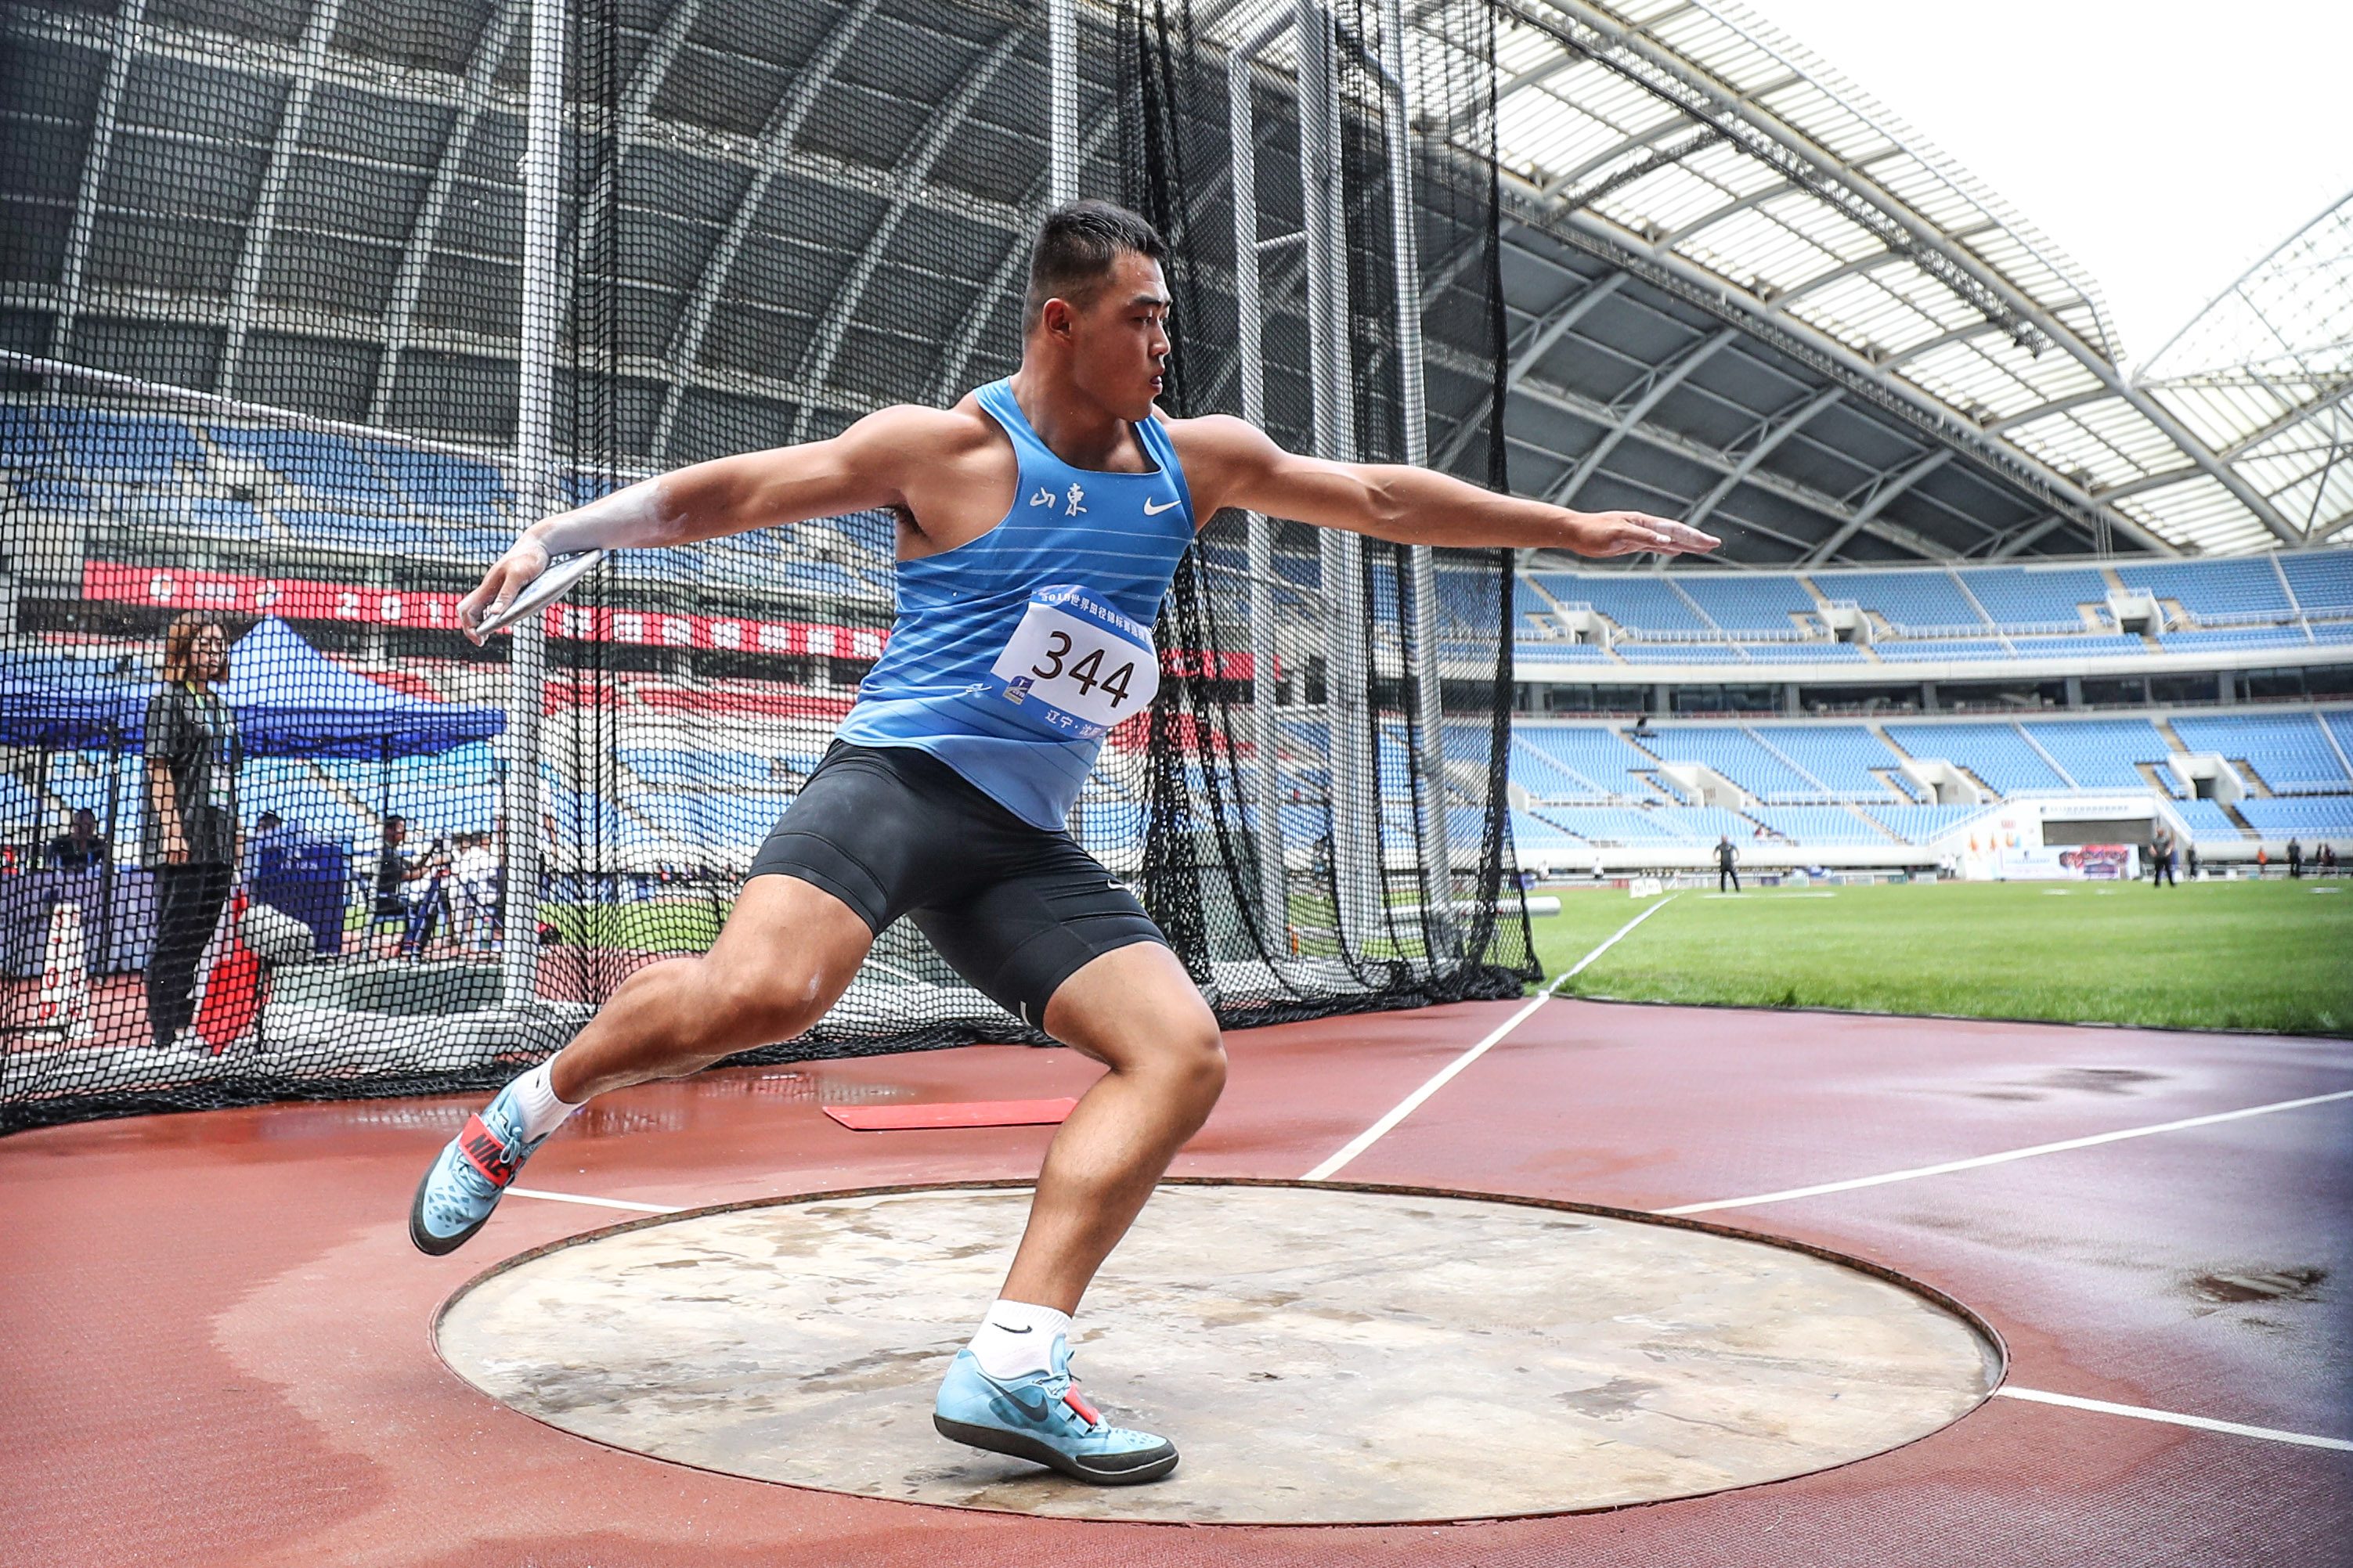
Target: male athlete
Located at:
point(1040, 522)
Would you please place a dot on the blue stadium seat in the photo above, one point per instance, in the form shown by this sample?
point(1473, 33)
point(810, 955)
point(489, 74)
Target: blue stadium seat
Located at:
point(1747, 604)
point(1920, 600)
point(2322, 580)
point(1678, 653)
point(2287, 750)
point(2233, 637)
point(1738, 756)
point(1996, 753)
point(125, 448)
point(1841, 755)
point(1823, 824)
point(1615, 825)
point(436, 481)
point(1805, 653)
point(328, 466)
point(2036, 598)
point(2091, 646)
point(1600, 758)
point(2218, 590)
point(2328, 816)
point(1636, 600)
point(2209, 823)
point(2099, 753)
point(1557, 653)
point(1919, 823)
point(1933, 649)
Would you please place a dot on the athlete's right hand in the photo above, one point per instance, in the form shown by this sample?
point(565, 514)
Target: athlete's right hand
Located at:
point(508, 575)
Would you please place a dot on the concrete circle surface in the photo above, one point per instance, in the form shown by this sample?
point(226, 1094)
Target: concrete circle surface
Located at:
point(1318, 1355)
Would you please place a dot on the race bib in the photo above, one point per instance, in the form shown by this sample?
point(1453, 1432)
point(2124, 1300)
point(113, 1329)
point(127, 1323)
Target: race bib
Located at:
point(1077, 665)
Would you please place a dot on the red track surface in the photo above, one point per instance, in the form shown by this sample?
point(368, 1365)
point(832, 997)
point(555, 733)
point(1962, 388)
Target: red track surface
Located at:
point(216, 1330)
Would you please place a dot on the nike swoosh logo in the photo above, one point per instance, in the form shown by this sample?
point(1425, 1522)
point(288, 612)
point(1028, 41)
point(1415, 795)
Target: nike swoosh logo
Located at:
point(1002, 1328)
point(1035, 1412)
point(1151, 511)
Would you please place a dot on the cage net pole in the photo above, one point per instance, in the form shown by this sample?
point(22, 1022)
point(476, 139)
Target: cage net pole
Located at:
point(1423, 657)
point(1348, 727)
point(534, 460)
point(1063, 101)
point(1259, 533)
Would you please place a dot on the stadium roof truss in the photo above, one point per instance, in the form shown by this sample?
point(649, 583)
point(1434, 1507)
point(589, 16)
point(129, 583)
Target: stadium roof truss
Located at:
point(1688, 147)
point(1736, 288)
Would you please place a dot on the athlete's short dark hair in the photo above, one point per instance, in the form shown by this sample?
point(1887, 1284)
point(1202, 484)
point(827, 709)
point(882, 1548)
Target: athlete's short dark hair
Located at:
point(1076, 249)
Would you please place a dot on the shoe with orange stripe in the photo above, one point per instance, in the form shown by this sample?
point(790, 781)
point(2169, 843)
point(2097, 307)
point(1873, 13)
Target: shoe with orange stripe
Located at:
point(1042, 1417)
point(463, 1185)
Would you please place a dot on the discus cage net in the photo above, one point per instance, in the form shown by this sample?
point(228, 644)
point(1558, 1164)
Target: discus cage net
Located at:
point(309, 306)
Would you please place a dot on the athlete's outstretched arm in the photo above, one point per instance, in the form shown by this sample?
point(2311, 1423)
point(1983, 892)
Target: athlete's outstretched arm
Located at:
point(1230, 463)
point(858, 469)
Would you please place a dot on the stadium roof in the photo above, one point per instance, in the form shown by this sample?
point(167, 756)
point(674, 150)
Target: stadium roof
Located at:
point(2264, 375)
point(1735, 287)
point(1690, 145)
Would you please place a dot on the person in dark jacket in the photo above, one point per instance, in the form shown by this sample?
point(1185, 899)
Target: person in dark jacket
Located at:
point(1727, 860)
point(79, 849)
point(2295, 858)
point(189, 840)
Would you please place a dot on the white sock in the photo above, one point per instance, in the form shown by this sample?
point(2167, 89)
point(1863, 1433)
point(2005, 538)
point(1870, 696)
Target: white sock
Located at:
point(1017, 1339)
point(543, 1113)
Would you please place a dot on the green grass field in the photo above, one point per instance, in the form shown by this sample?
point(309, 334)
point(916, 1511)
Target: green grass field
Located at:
point(2210, 956)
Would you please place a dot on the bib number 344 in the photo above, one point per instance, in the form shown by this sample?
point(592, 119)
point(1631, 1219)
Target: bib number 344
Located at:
point(1075, 665)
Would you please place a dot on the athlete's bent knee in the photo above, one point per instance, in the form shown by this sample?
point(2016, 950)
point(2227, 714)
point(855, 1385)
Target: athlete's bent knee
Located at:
point(737, 1012)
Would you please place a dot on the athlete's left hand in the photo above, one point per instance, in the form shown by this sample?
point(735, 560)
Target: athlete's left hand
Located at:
point(1631, 533)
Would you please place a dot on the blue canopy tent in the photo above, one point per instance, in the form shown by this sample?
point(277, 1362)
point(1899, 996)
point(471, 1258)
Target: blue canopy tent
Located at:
point(289, 701)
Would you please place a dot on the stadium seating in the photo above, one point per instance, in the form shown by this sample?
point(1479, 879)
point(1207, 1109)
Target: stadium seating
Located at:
point(124, 448)
point(1678, 653)
point(2328, 816)
point(1996, 753)
point(326, 466)
point(2209, 823)
point(2024, 599)
point(2099, 753)
point(1616, 826)
point(1918, 601)
point(1819, 825)
point(1533, 838)
point(1738, 756)
point(2287, 750)
point(2210, 641)
point(1637, 601)
point(1747, 604)
point(1904, 651)
point(2242, 588)
point(2323, 584)
point(1805, 653)
point(2088, 647)
point(1527, 606)
point(1839, 757)
point(1597, 756)
point(1558, 653)
point(1921, 824)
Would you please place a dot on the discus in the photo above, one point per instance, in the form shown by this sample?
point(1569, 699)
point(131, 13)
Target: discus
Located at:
point(545, 589)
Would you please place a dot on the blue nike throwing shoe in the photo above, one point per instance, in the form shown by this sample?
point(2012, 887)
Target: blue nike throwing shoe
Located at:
point(1041, 1417)
point(462, 1187)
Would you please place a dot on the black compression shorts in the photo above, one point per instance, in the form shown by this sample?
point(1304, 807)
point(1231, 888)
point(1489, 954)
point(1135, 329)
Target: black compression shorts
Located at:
point(1017, 909)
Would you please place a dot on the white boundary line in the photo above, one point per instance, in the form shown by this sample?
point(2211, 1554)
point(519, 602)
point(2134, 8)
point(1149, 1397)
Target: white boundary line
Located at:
point(593, 1202)
point(2203, 1423)
point(2006, 1155)
point(1405, 1107)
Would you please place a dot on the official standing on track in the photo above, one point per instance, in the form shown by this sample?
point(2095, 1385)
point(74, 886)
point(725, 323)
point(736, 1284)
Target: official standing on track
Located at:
point(1040, 521)
point(189, 839)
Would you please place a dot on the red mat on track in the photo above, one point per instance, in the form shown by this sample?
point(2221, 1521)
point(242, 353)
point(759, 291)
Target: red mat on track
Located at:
point(960, 1113)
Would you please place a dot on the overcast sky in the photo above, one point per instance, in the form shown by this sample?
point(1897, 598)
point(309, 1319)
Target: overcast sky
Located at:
point(2166, 147)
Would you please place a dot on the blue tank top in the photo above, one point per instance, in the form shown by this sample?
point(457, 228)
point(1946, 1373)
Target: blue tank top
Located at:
point(1097, 549)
